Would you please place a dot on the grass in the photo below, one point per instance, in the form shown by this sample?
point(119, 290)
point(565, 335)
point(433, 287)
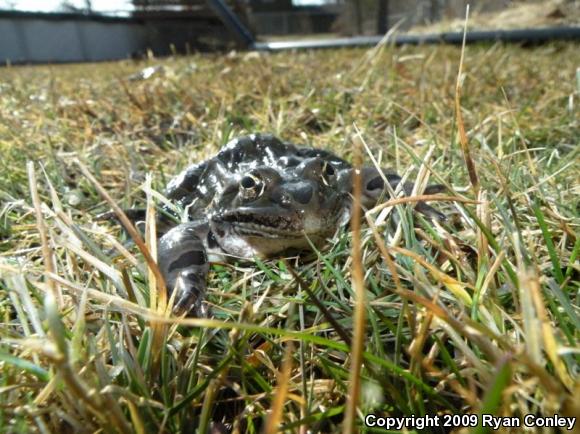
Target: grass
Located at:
point(475, 315)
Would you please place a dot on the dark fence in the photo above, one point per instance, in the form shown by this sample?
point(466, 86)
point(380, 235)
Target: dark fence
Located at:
point(297, 21)
point(71, 37)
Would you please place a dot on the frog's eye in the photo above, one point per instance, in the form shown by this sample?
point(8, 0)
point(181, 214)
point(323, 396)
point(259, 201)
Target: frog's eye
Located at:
point(328, 172)
point(248, 182)
point(251, 186)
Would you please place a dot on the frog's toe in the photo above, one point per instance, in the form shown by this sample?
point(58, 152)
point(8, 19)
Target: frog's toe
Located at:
point(189, 294)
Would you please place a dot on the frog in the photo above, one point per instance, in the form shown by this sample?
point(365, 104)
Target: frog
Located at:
point(258, 197)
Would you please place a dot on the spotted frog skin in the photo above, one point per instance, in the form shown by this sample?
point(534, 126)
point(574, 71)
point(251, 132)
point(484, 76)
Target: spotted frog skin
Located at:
point(258, 197)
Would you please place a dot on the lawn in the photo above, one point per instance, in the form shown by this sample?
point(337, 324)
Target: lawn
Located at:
point(474, 315)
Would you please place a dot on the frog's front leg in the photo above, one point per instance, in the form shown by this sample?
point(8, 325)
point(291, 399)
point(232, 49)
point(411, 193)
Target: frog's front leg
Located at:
point(184, 264)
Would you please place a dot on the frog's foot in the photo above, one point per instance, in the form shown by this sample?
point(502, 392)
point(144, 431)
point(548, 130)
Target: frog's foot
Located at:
point(189, 292)
point(184, 265)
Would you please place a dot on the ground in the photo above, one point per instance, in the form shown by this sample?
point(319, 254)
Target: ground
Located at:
point(474, 315)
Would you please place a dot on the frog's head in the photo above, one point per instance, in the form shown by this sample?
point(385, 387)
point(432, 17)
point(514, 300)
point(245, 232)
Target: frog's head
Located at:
point(266, 211)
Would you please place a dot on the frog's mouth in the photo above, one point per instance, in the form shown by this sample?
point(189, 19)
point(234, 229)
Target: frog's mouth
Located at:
point(260, 224)
point(272, 222)
point(265, 232)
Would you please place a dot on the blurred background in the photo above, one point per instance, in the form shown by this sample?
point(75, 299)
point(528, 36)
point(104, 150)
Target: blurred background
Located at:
point(93, 30)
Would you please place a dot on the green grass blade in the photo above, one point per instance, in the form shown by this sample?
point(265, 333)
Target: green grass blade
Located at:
point(25, 365)
point(556, 268)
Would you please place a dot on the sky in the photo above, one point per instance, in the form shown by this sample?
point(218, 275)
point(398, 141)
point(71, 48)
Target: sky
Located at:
point(51, 5)
point(309, 2)
point(98, 5)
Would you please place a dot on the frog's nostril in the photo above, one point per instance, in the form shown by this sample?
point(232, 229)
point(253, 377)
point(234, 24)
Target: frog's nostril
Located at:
point(303, 194)
point(282, 198)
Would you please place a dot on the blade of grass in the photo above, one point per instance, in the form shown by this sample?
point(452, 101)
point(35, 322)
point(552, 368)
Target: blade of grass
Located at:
point(40, 224)
point(463, 141)
point(573, 257)
point(556, 268)
point(359, 321)
point(274, 420)
point(550, 343)
point(25, 365)
point(494, 395)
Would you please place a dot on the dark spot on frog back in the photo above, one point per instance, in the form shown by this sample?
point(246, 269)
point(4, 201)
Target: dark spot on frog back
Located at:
point(192, 257)
point(375, 183)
